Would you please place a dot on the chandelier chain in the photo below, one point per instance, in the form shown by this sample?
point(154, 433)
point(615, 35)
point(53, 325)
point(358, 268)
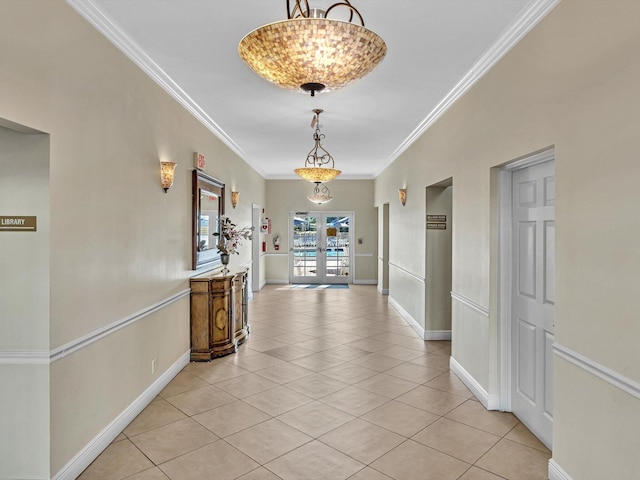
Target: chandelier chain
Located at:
point(301, 9)
point(318, 156)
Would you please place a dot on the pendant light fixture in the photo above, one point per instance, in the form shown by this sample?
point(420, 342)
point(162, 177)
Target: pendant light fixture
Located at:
point(311, 52)
point(314, 169)
point(321, 194)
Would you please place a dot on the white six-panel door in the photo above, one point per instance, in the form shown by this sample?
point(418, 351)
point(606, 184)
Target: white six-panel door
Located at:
point(533, 297)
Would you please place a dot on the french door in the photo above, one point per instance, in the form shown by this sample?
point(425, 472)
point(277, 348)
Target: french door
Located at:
point(320, 249)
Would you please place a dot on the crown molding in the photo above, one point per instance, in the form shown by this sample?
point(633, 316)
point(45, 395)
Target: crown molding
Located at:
point(531, 15)
point(130, 48)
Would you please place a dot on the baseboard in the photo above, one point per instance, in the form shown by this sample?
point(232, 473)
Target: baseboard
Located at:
point(276, 282)
point(365, 282)
point(437, 335)
point(96, 446)
point(490, 402)
point(383, 291)
point(407, 317)
point(556, 472)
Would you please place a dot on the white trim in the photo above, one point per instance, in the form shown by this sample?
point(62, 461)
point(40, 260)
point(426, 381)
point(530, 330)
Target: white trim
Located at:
point(529, 18)
point(127, 45)
point(101, 441)
point(556, 472)
point(408, 272)
point(437, 335)
point(99, 334)
point(490, 402)
point(281, 254)
point(276, 281)
point(365, 281)
point(407, 317)
point(545, 155)
point(24, 358)
point(383, 291)
point(470, 303)
point(505, 273)
point(604, 373)
point(44, 357)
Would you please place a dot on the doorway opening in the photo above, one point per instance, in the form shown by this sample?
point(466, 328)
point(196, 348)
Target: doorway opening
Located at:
point(438, 269)
point(321, 247)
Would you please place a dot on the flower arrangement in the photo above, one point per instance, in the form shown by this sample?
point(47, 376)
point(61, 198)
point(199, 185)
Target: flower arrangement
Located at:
point(230, 237)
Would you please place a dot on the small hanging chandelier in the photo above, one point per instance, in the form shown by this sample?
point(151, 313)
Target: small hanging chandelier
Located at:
point(311, 52)
point(314, 169)
point(321, 194)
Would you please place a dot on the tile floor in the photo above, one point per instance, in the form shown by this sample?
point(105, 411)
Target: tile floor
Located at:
point(332, 384)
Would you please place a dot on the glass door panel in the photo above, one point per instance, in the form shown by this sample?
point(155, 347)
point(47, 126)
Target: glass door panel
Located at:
point(305, 248)
point(336, 250)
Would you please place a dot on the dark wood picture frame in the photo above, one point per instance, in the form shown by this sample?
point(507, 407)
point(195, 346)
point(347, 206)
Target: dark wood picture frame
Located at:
point(205, 187)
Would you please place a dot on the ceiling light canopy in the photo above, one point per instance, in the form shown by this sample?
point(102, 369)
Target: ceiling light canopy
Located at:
point(311, 52)
point(321, 194)
point(315, 169)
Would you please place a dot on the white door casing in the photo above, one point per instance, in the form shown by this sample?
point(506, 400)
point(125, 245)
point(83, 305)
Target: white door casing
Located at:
point(533, 297)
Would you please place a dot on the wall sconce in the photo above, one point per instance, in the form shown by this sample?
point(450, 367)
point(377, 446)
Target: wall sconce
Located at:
point(235, 198)
point(402, 193)
point(167, 170)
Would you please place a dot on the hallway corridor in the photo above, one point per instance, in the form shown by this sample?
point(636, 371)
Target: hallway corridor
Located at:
point(332, 384)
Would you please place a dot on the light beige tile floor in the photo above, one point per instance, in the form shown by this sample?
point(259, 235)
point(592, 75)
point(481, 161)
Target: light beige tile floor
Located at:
point(331, 384)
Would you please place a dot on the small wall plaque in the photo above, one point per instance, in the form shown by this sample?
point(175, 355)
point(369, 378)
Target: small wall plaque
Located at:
point(436, 226)
point(17, 224)
point(436, 218)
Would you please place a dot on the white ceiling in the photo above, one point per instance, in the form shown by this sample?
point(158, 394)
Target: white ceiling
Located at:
point(436, 49)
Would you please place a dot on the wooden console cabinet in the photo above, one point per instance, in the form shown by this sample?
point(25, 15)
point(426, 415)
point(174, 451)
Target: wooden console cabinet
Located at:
point(218, 314)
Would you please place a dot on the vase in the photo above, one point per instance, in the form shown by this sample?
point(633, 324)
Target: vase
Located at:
point(224, 258)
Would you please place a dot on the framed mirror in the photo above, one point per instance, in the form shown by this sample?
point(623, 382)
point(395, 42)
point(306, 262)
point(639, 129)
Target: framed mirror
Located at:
point(208, 206)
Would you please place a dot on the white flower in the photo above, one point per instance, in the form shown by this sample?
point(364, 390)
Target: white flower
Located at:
point(229, 239)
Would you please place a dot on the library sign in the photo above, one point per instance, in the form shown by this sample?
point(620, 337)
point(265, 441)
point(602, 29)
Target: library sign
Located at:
point(17, 224)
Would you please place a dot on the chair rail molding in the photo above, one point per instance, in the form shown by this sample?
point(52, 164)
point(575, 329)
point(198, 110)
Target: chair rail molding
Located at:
point(470, 303)
point(604, 373)
point(44, 357)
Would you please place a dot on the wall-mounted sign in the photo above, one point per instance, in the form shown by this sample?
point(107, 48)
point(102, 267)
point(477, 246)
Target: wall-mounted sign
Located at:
point(436, 226)
point(436, 218)
point(198, 160)
point(17, 224)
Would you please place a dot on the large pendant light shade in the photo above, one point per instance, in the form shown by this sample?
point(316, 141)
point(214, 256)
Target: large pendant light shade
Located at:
point(312, 53)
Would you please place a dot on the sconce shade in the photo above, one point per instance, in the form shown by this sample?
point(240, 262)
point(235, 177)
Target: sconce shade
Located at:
point(311, 53)
point(167, 171)
point(235, 198)
point(402, 193)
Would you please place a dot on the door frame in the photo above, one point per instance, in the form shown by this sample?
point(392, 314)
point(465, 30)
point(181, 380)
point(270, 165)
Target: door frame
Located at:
point(505, 271)
point(332, 213)
point(256, 243)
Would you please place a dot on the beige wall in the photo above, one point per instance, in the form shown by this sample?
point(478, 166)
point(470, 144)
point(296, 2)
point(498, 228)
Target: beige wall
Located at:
point(119, 245)
point(284, 196)
point(573, 83)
